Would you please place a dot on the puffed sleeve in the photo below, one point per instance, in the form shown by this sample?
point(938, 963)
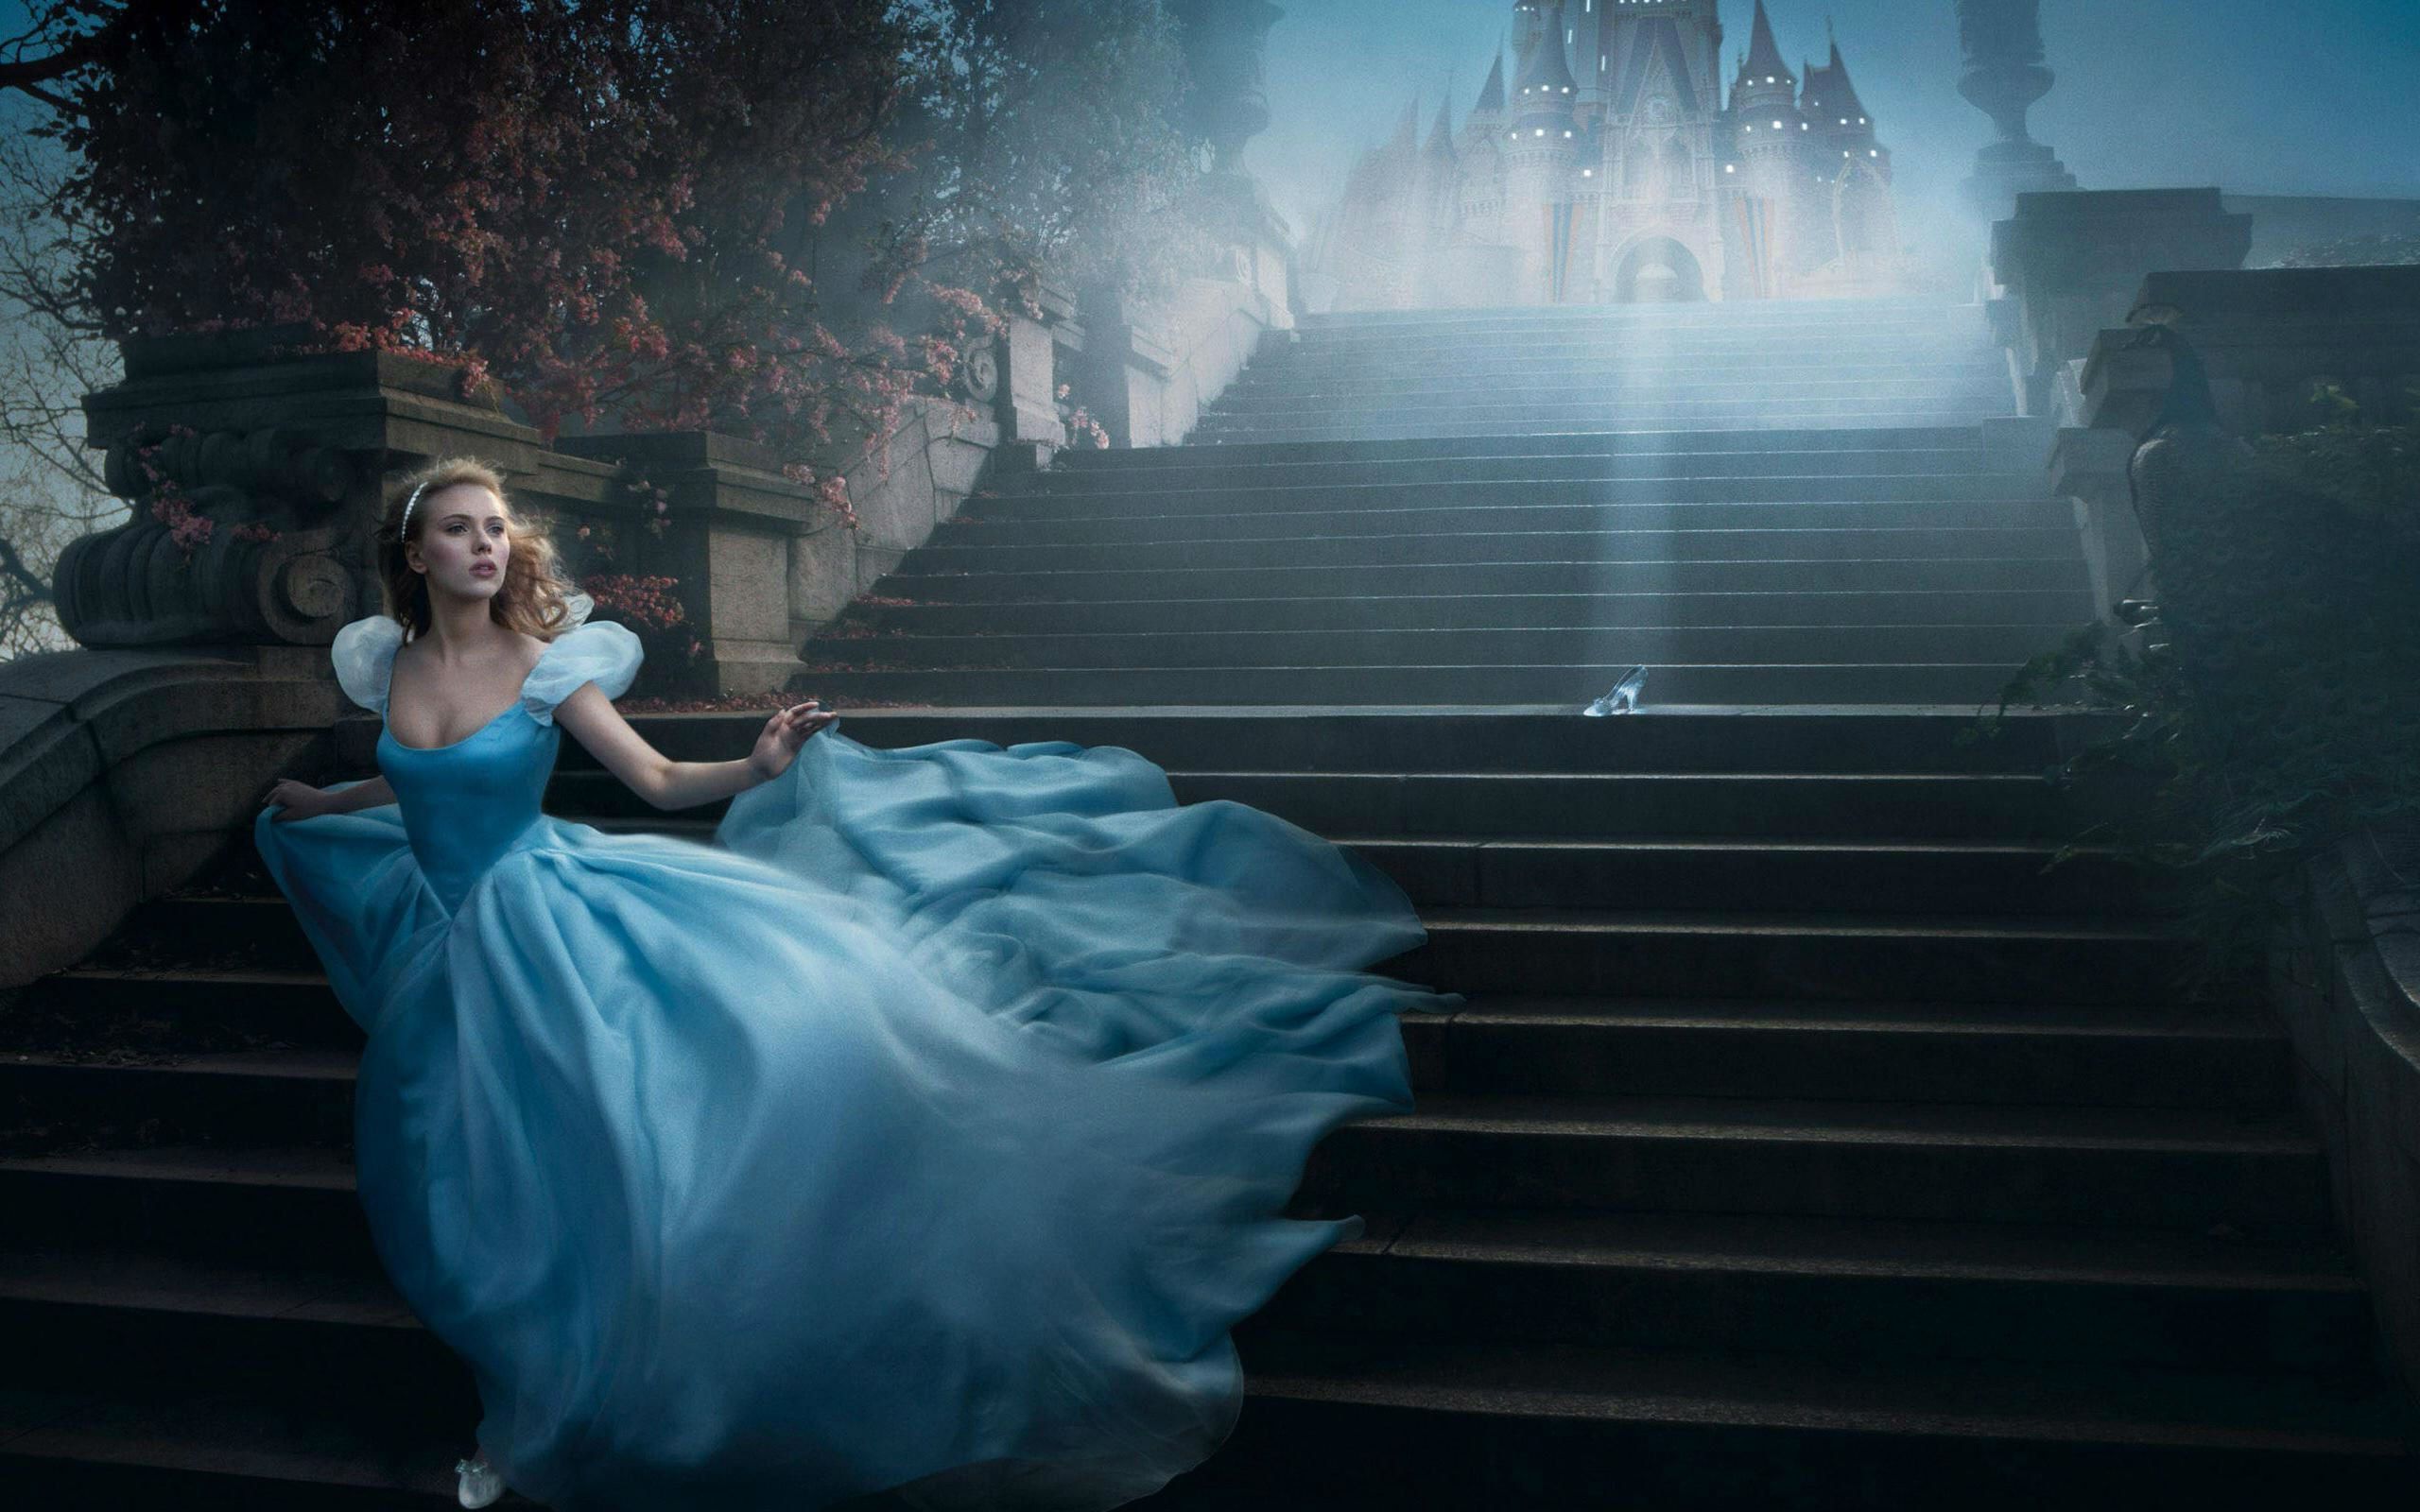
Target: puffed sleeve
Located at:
point(363, 654)
point(597, 651)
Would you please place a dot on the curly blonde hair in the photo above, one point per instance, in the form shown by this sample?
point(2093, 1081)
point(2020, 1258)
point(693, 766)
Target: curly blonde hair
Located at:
point(535, 597)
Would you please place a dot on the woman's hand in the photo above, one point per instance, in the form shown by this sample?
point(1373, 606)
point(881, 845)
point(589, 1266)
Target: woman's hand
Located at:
point(783, 736)
point(298, 801)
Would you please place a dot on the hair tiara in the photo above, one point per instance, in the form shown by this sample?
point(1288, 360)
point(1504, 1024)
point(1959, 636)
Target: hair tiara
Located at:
point(404, 531)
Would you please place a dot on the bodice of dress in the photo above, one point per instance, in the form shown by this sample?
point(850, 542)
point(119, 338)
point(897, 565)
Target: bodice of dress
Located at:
point(468, 805)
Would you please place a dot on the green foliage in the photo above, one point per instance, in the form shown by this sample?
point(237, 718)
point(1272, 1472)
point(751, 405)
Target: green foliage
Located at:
point(2369, 250)
point(2275, 704)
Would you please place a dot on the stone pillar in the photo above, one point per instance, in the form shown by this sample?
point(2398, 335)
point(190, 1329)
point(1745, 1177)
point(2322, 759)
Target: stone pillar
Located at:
point(1027, 389)
point(2074, 262)
point(2001, 40)
point(272, 465)
point(254, 480)
point(733, 519)
point(1226, 45)
point(2089, 470)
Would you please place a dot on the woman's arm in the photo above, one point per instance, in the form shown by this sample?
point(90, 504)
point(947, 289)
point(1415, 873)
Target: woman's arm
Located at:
point(669, 785)
point(301, 801)
point(370, 795)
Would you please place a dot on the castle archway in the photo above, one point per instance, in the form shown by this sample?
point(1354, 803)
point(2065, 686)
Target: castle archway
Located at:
point(1657, 269)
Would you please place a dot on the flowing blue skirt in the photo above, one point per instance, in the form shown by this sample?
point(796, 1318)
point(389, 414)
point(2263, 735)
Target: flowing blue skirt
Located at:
point(926, 1133)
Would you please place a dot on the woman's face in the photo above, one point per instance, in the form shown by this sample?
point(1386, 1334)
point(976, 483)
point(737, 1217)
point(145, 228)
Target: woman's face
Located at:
point(463, 547)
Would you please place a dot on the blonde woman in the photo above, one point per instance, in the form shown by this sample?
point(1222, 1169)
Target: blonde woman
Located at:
point(925, 1132)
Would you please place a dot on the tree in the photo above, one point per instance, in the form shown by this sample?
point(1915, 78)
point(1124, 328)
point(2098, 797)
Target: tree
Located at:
point(50, 488)
point(1054, 149)
point(777, 218)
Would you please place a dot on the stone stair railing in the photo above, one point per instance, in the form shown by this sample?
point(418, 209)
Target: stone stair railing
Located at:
point(2347, 975)
point(127, 764)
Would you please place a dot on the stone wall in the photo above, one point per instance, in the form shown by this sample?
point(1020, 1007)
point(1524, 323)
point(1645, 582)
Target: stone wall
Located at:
point(2346, 979)
point(128, 765)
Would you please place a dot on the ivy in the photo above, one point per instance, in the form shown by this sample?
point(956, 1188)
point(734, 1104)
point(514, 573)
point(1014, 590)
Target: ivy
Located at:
point(2273, 703)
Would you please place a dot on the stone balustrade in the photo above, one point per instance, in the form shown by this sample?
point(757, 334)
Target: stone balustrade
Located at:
point(254, 476)
point(2255, 345)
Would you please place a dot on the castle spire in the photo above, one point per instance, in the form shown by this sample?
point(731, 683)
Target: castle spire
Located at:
point(1491, 98)
point(1764, 58)
point(1441, 136)
point(1546, 72)
point(1830, 99)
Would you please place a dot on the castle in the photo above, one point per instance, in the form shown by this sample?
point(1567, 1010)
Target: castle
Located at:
point(1613, 170)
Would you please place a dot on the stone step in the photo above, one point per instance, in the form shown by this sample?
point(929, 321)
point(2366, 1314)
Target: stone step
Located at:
point(1437, 379)
point(1495, 870)
point(197, 1444)
point(1653, 646)
point(1418, 1425)
point(2262, 1173)
point(1850, 408)
point(1211, 433)
point(1204, 467)
point(1847, 957)
point(1879, 440)
point(1920, 608)
point(1691, 368)
point(1843, 1290)
point(1858, 807)
point(1569, 686)
point(1294, 580)
point(1281, 388)
point(1678, 446)
point(309, 1418)
point(151, 1041)
point(2101, 1055)
point(1501, 738)
point(286, 1208)
point(1860, 312)
point(1396, 349)
point(1375, 509)
point(296, 1094)
point(1274, 545)
point(144, 1053)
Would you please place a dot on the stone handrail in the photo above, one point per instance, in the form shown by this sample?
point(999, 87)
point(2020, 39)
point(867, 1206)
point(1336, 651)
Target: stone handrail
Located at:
point(122, 772)
point(2346, 981)
point(2345, 977)
point(129, 766)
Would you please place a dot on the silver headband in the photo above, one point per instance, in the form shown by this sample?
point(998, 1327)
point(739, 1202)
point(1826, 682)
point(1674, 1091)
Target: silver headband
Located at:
point(404, 531)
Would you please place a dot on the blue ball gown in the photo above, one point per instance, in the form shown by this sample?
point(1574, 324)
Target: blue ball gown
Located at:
point(926, 1133)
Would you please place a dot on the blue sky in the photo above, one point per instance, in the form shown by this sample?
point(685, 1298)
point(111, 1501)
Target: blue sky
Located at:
point(2276, 97)
point(2259, 96)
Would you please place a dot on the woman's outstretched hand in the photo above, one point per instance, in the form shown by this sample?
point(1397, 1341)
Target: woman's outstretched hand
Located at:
point(784, 734)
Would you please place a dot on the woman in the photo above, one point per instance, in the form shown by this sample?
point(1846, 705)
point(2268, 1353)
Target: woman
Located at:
point(923, 1133)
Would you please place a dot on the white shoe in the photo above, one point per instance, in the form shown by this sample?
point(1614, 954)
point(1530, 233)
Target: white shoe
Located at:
point(481, 1483)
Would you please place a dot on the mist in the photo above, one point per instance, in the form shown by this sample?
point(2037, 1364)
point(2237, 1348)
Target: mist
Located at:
point(2254, 97)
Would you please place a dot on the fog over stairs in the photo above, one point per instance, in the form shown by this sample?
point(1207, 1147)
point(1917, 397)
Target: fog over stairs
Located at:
point(1808, 1142)
point(1531, 521)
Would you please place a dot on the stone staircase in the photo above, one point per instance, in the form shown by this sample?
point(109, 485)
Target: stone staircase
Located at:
point(1326, 552)
point(1804, 1142)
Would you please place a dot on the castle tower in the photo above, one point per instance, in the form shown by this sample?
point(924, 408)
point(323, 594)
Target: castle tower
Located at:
point(1854, 168)
point(1613, 169)
point(1543, 147)
point(1772, 148)
point(1440, 204)
point(1483, 162)
point(1662, 139)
